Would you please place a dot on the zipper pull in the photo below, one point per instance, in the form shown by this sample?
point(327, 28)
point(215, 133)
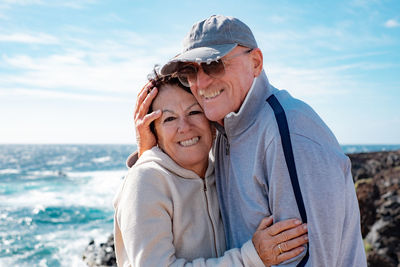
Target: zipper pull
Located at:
point(227, 147)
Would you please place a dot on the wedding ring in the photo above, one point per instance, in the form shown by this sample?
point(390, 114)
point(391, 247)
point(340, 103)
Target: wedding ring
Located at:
point(280, 249)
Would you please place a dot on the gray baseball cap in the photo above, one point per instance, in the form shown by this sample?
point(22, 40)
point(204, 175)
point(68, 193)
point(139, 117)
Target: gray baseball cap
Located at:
point(210, 40)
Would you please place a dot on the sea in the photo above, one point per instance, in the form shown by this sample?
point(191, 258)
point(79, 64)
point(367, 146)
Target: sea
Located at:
point(55, 199)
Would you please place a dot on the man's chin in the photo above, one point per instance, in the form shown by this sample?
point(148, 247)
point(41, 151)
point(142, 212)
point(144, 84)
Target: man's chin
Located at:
point(215, 115)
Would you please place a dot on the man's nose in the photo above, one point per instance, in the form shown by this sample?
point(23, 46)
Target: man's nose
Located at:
point(203, 80)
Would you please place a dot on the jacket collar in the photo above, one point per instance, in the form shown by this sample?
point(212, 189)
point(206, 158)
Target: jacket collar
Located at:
point(237, 122)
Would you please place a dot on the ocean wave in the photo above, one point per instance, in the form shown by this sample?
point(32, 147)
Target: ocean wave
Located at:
point(101, 159)
point(54, 199)
point(45, 173)
point(89, 189)
point(58, 161)
point(56, 234)
point(9, 171)
point(67, 215)
point(56, 248)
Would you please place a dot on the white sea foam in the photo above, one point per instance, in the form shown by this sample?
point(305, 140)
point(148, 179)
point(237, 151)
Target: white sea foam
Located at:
point(13, 160)
point(100, 189)
point(37, 209)
point(49, 219)
point(58, 161)
point(7, 261)
point(72, 244)
point(102, 159)
point(75, 247)
point(9, 171)
point(94, 189)
point(89, 189)
point(69, 245)
point(43, 174)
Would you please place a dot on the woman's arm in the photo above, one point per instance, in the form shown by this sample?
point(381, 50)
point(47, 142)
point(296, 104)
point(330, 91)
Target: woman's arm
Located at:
point(144, 223)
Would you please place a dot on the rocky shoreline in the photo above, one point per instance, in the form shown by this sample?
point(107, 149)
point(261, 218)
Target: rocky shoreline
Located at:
point(377, 180)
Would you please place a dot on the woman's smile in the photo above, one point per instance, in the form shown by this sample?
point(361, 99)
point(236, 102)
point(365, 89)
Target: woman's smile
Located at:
point(190, 142)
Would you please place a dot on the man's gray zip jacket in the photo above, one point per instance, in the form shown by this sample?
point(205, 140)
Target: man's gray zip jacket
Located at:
point(253, 179)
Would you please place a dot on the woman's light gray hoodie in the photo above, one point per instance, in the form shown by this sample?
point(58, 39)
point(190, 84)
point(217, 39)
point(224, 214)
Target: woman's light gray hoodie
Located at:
point(166, 215)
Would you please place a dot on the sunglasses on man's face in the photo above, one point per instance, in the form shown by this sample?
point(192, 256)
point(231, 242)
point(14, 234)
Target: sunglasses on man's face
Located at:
point(187, 74)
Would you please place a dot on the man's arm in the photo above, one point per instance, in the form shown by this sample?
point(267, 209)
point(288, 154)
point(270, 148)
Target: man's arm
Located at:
point(329, 199)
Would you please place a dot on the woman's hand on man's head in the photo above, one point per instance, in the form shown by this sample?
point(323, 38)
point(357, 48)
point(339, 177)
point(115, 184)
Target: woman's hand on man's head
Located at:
point(145, 139)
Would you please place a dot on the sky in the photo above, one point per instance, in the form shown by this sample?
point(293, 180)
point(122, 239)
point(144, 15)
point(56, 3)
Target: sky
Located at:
point(70, 70)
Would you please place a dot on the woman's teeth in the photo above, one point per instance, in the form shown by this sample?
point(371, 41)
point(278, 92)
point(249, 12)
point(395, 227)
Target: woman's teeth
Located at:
point(189, 142)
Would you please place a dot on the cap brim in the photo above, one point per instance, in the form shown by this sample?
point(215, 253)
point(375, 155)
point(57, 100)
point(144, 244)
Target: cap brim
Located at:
point(198, 55)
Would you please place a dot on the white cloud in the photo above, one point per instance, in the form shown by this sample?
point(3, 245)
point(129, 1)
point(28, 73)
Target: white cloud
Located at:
point(3, 12)
point(277, 19)
point(113, 18)
point(118, 66)
point(37, 38)
point(80, 71)
point(70, 3)
point(311, 40)
point(314, 82)
point(23, 2)
point(61, 95)
point(364, 3)
point(392, 23)
point(78, 4)
point(308, 83)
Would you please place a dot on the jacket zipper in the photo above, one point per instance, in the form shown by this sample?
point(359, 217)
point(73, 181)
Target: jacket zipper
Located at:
point(227, 146)
point(209, 216)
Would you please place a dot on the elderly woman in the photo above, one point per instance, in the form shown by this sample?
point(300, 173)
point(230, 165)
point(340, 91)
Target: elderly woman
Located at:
point(167, 212)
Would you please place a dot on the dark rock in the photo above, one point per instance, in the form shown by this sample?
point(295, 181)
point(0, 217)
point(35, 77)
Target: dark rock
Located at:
point(101, 255)
point(376, 260)
point(367, 194)
point(377, 177)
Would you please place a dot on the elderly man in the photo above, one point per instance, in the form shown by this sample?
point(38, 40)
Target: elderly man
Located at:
point(273, 153)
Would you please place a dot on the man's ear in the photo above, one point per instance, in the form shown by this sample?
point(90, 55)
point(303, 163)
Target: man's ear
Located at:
point(257, 60)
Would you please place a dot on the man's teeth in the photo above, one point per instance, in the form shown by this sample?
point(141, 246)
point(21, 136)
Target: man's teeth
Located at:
point(189, 142)
point(210, 94)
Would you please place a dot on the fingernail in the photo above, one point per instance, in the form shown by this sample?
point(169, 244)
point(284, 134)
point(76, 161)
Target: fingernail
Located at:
point(305, 226)
point(297, 222)
point(301, 248)
point(306, 237)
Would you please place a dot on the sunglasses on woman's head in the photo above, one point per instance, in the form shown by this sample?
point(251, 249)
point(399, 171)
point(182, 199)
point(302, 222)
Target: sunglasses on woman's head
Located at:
point(188, 73)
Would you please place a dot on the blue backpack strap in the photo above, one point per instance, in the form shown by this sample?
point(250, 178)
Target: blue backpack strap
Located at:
point(288, 152)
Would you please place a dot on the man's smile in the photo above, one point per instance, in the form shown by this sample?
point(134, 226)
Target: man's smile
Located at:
point(209, 94)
